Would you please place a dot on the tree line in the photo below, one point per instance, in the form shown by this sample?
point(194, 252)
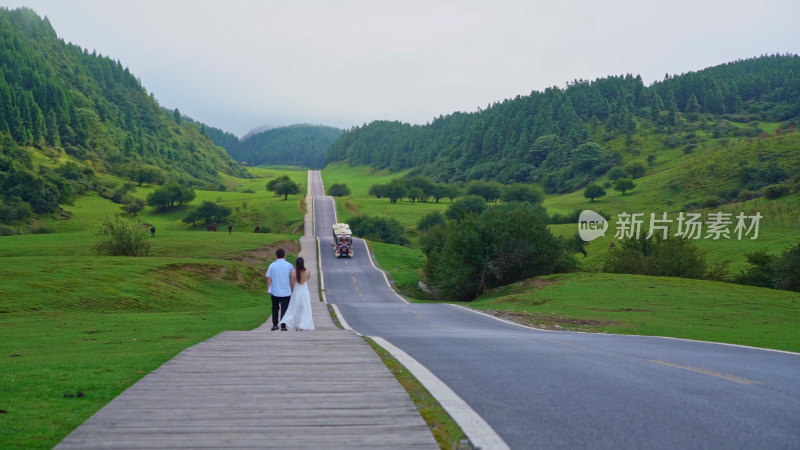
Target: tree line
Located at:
point(556, 137)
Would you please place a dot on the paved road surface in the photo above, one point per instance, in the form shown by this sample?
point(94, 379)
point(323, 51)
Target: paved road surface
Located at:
point(543, 389)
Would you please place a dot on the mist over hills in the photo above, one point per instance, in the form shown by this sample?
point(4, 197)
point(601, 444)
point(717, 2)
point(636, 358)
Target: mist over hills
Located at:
point(258, 129)
point(295, 145)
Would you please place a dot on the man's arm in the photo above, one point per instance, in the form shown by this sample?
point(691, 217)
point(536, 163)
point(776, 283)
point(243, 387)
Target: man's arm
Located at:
point(291, 279)
point(269, 283)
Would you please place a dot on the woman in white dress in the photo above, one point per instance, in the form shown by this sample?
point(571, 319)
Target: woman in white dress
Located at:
point(298, 314)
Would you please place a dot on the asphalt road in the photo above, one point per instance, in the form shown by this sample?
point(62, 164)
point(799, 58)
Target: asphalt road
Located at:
point(545, 389)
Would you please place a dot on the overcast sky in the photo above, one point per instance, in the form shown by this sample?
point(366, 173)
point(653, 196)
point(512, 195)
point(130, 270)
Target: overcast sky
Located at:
point(237, 64)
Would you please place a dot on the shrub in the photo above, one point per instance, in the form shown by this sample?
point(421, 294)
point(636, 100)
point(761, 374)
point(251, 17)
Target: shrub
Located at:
point(5, 230)
point(776, 191)
point(787, 270)
point(712, 202)
point(747, 194)
point(636, 169)
point(339, 190)
point(117, 237)
point(465, 206)
point(134, 207)
point(383, 229)
point(430, 220)
point(616, 173)
point(671, 257)
point(491, 191)
point(672, 141)
point(502, 245)
point(760, 270)
point(521, 193)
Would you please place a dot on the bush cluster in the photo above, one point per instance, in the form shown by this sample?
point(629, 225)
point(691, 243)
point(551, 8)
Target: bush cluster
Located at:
point(382, 229)
point(117, 237)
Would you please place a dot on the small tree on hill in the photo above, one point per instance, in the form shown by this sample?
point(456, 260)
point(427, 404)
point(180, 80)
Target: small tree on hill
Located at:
point(395, 190)
point(636, 169)
point(594, 191)
point(288, 188)
point(623, 185)
point(339, 190)
point(274, 184)
point(208, 212)
point(616, 173)
point(169, 196)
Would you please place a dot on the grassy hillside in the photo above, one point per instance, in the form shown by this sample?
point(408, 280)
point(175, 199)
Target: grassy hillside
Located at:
point(73, 321)
point(655, 306)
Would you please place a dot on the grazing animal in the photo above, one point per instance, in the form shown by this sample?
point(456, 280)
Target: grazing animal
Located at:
point(153, 231)
point(230, 228)
point(258, 228)
point(212, 227)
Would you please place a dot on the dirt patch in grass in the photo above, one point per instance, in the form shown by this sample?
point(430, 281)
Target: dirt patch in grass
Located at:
point(266, 254)
point(552, 321)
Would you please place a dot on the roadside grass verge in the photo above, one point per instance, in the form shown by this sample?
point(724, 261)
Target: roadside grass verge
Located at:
point(403, 264)
point(653, 306)
point(445, 430)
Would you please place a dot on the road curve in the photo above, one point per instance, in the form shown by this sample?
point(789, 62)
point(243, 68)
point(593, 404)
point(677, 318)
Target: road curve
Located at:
point(544, 389)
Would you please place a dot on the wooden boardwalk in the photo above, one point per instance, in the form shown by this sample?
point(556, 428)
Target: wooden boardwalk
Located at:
point(264, 389)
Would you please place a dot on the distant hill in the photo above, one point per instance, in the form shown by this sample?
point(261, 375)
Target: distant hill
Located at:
point(296, 145)
point(259, 129)
point(562, 138)
point(59, 99)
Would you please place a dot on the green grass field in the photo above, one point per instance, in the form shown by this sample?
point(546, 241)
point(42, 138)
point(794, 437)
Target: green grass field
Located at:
point(655, 306)
point(73, 321)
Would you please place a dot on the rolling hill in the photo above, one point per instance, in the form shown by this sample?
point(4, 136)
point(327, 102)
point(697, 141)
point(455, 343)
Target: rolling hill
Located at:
point(68, 116)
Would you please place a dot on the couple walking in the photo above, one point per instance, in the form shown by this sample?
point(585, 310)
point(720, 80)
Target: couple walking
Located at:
point(289, 289)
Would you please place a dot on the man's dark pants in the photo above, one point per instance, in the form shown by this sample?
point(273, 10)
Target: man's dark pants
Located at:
point(279, 304)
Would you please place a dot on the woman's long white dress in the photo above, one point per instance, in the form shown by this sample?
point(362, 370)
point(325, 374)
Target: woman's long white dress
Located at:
point(298, 314)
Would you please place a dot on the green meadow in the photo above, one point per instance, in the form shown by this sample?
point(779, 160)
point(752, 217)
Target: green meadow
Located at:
point(654, 306)
point(79, 328)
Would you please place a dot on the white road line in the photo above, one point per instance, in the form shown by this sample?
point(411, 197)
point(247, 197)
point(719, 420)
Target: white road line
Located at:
point(477, 430)
point(385, 277)
point(342, 321)
point(749, 347)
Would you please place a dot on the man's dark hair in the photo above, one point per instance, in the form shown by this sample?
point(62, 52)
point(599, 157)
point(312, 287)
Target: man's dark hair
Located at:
point(280, 253)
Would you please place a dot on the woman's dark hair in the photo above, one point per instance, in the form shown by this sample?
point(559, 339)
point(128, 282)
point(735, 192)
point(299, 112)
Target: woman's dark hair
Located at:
point(301, 266)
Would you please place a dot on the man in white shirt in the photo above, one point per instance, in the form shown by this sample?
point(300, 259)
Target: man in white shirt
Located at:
point(279, 285)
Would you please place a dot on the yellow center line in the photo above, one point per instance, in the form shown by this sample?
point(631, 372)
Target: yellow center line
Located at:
point(712, 373)
point(566, 343)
